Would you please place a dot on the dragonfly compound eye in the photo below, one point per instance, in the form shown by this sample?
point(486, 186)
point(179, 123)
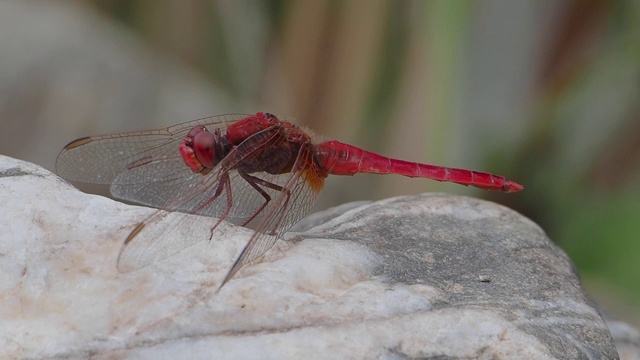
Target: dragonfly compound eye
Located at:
point(193, 132)
point(204, 148)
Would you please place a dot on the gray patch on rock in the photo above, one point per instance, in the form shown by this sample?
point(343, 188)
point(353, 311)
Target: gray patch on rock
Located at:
point(13, 172)
point(480, 255)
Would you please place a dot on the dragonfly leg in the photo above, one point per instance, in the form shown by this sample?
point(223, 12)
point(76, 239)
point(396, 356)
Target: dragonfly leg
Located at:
point(255, 182)
point(227, 186)
point(223, 184)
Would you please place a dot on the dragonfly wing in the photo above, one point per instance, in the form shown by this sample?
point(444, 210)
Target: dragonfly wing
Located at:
point(221, 193)
point(172, 186)
point(301, 191)
point(161, 235)
point(101, 159)
point(168, 231)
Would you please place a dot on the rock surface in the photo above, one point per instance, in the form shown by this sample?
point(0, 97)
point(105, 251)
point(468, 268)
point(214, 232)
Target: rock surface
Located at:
point(626, 337)
point(428, 276)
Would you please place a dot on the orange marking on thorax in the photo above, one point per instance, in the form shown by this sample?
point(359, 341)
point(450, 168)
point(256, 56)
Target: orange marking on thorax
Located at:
point(313, 179)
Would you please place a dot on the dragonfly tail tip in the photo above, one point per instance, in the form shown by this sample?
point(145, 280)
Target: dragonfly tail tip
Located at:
point(514, 187)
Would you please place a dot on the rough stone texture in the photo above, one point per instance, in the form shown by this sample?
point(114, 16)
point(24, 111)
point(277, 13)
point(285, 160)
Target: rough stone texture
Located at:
point(428, 276)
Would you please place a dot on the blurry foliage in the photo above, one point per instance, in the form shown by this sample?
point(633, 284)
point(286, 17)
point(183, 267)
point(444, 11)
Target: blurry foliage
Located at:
point(392, 76)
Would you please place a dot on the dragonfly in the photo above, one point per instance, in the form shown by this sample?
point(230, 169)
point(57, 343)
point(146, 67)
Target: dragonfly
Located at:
point(245, 169)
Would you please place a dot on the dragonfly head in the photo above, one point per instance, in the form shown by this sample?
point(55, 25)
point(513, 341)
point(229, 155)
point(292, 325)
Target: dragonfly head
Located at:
point(198, 149)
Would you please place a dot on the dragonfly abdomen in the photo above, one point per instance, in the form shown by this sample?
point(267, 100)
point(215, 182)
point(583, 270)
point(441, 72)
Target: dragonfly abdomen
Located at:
point(344, 159)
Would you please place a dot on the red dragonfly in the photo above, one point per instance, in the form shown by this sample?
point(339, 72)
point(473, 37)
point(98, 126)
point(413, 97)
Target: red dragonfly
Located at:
point(242, 168)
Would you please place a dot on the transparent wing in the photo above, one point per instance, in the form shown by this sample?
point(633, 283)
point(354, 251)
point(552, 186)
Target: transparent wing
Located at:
point(153, 154)
point(225, 194)
point(161, 235)
point(300, 192)
point(165, 233)
point(146, 167)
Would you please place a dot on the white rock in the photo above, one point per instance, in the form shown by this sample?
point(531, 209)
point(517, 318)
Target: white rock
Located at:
point(417, 277)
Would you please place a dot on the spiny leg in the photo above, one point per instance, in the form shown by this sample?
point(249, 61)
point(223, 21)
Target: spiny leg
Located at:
point(223, 184)
point(226, 184)
point(255, 182)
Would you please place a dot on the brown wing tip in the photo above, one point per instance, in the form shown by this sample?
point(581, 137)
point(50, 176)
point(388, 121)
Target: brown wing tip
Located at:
point(226, 278)
point(125, 267)
point(78, 142)
point(134, 233)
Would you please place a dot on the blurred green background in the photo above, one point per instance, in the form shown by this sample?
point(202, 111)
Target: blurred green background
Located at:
point(543, 92)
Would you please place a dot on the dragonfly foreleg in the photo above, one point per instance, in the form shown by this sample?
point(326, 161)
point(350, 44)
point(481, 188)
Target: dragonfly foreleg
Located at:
point(223, 184)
